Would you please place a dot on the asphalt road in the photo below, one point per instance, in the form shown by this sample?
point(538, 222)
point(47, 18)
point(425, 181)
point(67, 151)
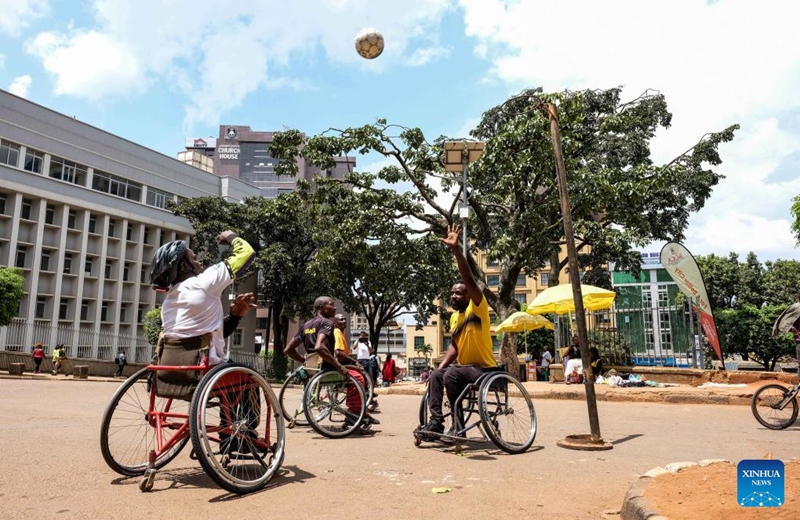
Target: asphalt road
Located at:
point(52, 467)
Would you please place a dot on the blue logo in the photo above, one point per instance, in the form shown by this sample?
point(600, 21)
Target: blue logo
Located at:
point(760, 483)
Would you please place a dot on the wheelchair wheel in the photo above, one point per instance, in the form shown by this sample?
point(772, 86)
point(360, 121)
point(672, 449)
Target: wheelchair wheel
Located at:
point(237, 428)
point(424, 412)
point(128, 430)
point(766, 410)
point(507, 413)
point(325, 402)
point(290, 398)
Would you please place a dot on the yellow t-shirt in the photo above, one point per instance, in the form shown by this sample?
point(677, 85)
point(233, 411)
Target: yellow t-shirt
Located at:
point(472, 336)
point(340, 343)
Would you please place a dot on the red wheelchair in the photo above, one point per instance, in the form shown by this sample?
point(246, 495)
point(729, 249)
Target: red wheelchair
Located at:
point(231, 416)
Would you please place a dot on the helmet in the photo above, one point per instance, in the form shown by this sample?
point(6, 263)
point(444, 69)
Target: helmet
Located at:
point(165, 264)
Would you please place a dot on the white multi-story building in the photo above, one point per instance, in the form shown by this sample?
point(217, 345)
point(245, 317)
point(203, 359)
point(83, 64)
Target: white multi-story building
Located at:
point(82, 212)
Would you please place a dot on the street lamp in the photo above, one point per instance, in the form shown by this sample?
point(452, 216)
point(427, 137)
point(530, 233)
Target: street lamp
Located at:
point(457, 157)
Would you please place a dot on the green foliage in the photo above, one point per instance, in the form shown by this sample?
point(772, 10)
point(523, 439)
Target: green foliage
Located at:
point(425, 350)
point(731, 283)
point(614, 348)
point(11, 293)
point(795, 210)
point(747, 330)
point(620, 199)
point(534, 342)
point(152, 325)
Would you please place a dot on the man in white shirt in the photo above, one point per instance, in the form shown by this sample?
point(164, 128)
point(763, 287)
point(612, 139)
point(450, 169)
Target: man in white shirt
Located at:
point(544, 366)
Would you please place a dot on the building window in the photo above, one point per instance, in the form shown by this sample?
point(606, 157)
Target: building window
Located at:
point(21, 253)
point(237, 337)
point(492, 280)
point(123, 311)
point(125, 272)
point(67, 171)
point(140, 314)
point(26, 209)
point(118, 186)
point(522, 281)
point(158, 198)
point(63, 309)
point(129, 231)
point(68, 263)
point(49, 214)
point(45, 261)
point(92, 223)
point(261, 323)
point(84, 310)
point(112, 227)
point(104, 312)
point(521, 297)
point(142, 275)
point(419, 341)
point(87, 266)
point(41, 306)
point(2, 204)
point(107, 272)
point(72, 218)
point(33, 161)
point(492, 263)
point(9, 153)
point(545, 278)
point(146, 237)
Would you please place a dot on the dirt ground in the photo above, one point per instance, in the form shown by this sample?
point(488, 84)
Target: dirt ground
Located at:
point(710, 492)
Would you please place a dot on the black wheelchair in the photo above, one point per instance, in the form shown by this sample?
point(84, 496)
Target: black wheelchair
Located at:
point(503, 408)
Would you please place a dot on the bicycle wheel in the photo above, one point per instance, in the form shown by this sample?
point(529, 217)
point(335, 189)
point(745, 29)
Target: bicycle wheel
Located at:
point(325, 400)
point(128, 429)
point(237, 428)
point(768, 409)
point(507, 413)
point(290, 399)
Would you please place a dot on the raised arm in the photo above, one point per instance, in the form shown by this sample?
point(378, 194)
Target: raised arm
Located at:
point(474, 292)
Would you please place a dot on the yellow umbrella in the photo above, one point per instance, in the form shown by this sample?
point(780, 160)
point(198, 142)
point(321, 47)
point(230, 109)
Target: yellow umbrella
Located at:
point(523, 322)
point(559, 299)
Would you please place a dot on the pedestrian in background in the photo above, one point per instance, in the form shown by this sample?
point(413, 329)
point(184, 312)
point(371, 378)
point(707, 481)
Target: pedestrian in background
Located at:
point(121, 361)
point(38, 356)
point(389, 370)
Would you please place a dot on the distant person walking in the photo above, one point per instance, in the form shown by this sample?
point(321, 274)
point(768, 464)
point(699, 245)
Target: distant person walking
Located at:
point(121, 361)
point(389, 370)
point(60, 357)
point(38, 356)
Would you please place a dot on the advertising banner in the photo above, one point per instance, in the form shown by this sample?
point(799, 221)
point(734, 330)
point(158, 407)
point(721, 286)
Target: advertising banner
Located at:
point(682, 267)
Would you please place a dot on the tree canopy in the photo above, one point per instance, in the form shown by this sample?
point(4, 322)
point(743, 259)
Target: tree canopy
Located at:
point(621, 200)
point(11, 293)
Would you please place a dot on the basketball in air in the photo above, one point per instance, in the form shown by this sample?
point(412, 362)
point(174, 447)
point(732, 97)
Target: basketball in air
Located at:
point(369, 43)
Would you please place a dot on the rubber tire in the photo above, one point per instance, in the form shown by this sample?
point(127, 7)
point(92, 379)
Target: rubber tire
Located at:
point(122, 469)
point(772, 426)
point(486, 422)
point(199, 400)
point(300, 420)
point(329, 433)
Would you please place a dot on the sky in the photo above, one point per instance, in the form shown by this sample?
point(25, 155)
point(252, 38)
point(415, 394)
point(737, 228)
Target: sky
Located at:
point(157, 72)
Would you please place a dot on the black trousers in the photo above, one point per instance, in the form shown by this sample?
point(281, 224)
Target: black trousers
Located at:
point(453, 379)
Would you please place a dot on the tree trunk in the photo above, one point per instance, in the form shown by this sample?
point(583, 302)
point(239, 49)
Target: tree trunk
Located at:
point(508, 347)
point(280, 364)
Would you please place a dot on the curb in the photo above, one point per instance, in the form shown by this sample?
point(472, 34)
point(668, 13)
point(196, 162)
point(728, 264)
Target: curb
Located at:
point(636, 507)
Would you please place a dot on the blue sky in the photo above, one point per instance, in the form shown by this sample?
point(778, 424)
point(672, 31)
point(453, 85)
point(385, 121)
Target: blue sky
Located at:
point(157, 72)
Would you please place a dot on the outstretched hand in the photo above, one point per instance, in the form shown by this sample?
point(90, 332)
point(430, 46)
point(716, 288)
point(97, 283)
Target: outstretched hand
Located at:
point(242, 304)
point(226, 237)
point(453, 232)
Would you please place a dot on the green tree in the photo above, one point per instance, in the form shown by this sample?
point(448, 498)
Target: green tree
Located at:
point(747, 331)
point(723, 279)
point(152, 325)
point(425, 350)
point(11, 293)
point(620, 199)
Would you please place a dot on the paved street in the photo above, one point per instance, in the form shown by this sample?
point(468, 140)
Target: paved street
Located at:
point(52, 466)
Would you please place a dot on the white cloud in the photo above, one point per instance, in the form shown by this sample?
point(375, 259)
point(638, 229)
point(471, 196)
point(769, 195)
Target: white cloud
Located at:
point(88, 64)
point(20, 85)
point(424, 55)
point(728, 62)
point(218, 54)
point(16, 15)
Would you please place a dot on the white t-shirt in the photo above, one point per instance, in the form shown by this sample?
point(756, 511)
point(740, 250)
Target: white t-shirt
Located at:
point(193, 308)
point(546, 357)
point(362, 351)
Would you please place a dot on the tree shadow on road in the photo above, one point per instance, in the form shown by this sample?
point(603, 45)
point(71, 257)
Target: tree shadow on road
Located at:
point(626, 438)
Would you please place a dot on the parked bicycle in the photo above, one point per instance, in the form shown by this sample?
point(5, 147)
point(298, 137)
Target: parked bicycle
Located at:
point(775, 406)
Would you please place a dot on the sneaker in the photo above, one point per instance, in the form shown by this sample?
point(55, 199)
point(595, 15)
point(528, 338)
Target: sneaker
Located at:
point(369, 421)
point(434, 426)
point(449, 433)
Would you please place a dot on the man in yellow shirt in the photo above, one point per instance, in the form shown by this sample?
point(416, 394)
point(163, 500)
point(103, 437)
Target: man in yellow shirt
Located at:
point(471, 345)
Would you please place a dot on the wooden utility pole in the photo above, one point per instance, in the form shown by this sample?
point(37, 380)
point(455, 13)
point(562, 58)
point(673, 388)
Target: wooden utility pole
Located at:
point(596, 440)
